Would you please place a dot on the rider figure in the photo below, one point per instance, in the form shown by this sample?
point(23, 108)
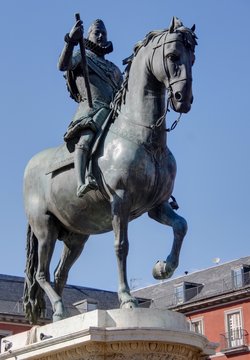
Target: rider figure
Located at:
point(105, 79)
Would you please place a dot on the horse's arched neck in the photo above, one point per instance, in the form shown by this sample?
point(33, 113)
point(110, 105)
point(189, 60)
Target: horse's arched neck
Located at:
point(145, 102)
point(145, 97)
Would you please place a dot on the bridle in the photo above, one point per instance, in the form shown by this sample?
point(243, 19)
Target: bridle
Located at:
point(159, 121)
point(169, 89)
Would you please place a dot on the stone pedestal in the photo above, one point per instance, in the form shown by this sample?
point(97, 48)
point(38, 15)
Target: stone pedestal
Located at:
point(134, 334)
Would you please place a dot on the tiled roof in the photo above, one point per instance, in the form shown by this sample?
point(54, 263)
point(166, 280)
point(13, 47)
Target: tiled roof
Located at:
point(210, 282)
point(11, 293)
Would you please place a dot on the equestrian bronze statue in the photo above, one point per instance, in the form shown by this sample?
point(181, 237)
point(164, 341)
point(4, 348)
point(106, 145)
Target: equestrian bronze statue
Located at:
point(129, 160)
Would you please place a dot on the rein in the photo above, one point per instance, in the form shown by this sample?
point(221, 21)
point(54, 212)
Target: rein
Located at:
point(158, 122)
point(163, 117)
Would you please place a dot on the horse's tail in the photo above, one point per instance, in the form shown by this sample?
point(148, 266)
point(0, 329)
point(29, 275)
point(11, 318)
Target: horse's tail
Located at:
point(33, 297)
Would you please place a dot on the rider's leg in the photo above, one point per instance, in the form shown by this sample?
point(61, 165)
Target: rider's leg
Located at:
point(80, 160)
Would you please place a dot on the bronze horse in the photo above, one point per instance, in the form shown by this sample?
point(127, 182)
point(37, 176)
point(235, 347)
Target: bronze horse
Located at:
point(132, 164)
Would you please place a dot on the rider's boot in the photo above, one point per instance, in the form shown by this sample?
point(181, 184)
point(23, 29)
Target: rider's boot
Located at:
point(80, 160)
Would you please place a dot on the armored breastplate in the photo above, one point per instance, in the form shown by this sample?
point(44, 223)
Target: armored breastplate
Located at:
point(105, 69)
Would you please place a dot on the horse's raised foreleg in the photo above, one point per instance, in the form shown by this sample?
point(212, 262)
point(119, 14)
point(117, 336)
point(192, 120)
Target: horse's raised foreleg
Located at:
point(167, 216)
point(73, 246)
point(120, 211)
point(46, 232)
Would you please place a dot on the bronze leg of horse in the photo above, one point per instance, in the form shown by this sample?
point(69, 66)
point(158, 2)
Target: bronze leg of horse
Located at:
point(46, 232)
point(73, 247)
point(120, 214)
point(164, 214)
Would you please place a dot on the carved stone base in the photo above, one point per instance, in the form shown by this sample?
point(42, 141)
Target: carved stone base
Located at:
point(134, 334)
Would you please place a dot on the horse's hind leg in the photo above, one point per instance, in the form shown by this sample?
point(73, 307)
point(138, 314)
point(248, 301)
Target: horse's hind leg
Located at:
point(73, 246)
point(164, 214)
point(46, 231)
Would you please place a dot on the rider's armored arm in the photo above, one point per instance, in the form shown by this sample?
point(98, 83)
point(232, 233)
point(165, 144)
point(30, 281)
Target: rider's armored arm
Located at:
point(71, 39)
point(65, 59)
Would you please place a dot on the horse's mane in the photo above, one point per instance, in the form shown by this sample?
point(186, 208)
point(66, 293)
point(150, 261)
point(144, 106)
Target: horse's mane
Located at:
point(120, 96)
point(189, 38)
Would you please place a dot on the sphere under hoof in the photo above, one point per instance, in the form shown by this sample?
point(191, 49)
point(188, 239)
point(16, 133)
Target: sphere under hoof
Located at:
point(162, 270)
point(129, 304)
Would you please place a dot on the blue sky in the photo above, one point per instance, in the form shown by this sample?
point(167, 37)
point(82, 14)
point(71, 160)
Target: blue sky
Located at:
point(211, 143)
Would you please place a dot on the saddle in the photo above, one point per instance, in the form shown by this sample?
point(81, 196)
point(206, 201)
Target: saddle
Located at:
point(64, 154)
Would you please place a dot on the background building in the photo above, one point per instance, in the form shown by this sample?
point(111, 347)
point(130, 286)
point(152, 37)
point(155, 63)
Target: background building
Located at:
point(77, 299)
point(216, 302)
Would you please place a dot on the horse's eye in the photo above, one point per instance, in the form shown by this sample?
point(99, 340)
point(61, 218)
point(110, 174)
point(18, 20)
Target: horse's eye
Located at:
point(173, 57)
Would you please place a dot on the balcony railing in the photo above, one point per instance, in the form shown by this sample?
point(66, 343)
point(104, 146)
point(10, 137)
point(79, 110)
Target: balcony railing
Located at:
point(234, 340)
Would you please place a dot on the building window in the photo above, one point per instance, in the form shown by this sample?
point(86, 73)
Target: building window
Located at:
point(186, 291)
point(235, 335)
point(241, 276)
point(234, 325)
point(237, 277)
point(86, 305)
point(179, 294)
point(197, 326)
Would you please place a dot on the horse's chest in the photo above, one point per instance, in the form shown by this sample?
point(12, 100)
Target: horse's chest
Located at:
point(153, 182)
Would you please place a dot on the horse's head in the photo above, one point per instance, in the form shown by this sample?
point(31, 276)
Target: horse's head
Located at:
point(172, 62)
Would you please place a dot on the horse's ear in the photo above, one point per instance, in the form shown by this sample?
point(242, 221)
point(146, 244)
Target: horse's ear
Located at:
point(171, 26)
point(175, 23)
point(193, 28)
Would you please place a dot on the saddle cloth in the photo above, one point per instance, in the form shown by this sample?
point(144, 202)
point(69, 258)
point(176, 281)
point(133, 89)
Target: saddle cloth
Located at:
point(61, 158)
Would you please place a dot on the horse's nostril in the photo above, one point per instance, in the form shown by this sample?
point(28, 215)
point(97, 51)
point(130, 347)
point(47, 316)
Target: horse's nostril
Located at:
point(178, 96)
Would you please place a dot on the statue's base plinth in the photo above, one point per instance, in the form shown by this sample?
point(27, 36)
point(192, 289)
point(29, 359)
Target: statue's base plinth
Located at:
point(114, 334)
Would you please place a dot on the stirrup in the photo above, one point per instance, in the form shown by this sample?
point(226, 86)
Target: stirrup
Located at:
point(84, 188)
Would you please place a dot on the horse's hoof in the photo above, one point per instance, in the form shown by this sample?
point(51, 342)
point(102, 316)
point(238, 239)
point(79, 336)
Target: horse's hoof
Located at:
point(58, 317)
point(59, 311)
point(162, 270)
point(129, 304)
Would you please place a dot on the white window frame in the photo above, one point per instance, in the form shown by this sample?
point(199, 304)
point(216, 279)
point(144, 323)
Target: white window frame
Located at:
point(179, 299)
point(234, 342)
point(199, 320)
point(238, 279)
